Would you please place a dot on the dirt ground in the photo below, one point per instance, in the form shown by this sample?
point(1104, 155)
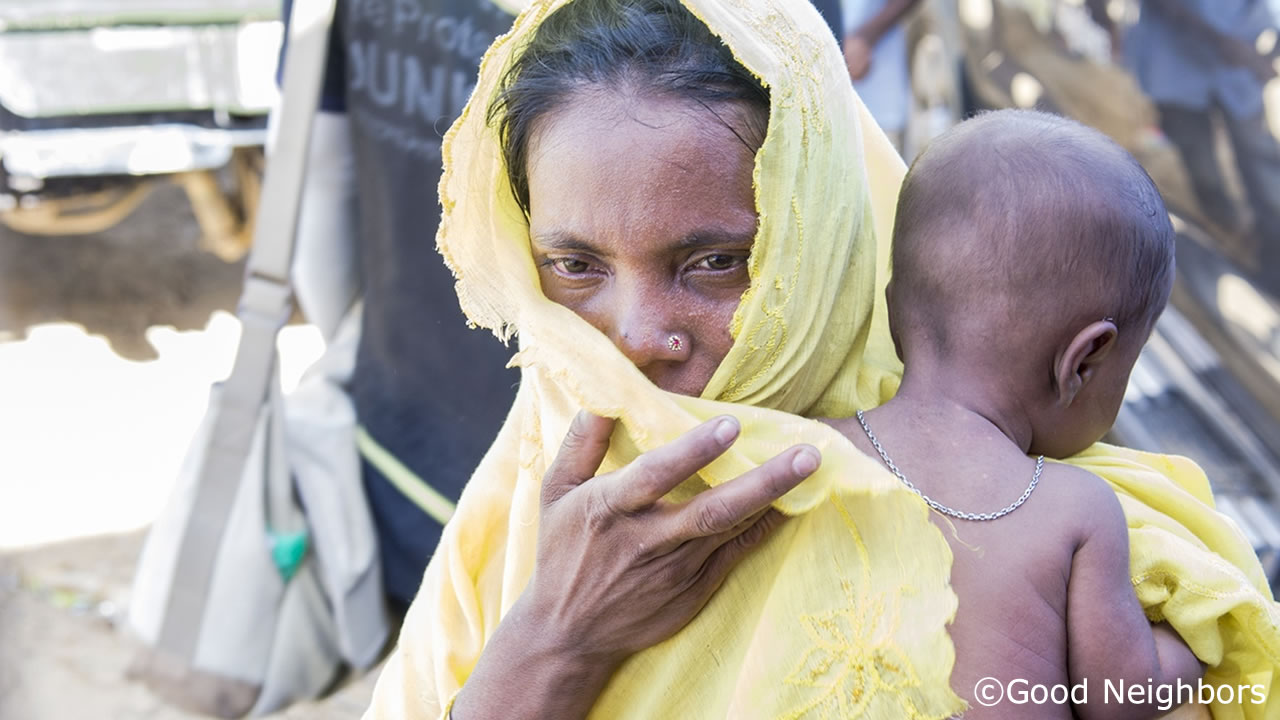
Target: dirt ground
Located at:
point(145, 271)
point(62, 654)
point(81, 452)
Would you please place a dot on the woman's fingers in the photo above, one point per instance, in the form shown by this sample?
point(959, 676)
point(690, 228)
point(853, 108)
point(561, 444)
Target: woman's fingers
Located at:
point(708, 545)
point(659, 471)
point(721, 508)
point(581, 453)
point(722, 560)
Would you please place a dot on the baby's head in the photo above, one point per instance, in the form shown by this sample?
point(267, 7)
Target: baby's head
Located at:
point(1032, 254)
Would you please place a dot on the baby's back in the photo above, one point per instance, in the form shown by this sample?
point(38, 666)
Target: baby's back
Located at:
point(1011, 574)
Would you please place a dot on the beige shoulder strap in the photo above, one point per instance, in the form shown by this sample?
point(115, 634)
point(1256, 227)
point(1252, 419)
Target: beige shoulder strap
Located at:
point(265, 306)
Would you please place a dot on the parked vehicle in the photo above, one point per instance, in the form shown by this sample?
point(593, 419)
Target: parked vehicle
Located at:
point(102, 99)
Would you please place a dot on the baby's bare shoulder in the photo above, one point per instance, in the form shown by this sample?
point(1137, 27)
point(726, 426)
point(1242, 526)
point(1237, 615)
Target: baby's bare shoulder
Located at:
point(1083, 501)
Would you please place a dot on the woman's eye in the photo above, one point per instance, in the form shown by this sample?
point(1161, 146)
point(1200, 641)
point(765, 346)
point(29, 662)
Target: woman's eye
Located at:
point(720, 262)
point(571, 266)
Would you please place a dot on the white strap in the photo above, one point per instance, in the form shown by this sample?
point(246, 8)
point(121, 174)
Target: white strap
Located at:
point(265, 306)
point(304, 64)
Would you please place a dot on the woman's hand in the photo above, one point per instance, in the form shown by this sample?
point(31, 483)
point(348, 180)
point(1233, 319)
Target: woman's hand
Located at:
point(619, 569)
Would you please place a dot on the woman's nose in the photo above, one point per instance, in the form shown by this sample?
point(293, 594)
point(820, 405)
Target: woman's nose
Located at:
point(648, 347)
point(646, 335)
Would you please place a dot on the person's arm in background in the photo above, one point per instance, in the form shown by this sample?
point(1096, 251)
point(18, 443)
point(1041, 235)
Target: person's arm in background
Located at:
point(326, 270)
point(860, 43)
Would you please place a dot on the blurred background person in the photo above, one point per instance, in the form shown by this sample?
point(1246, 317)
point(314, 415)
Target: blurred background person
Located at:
point(1205, 63)
point(875, 49)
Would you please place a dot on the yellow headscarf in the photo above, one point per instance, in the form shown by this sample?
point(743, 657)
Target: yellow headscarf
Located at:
point(843, 611)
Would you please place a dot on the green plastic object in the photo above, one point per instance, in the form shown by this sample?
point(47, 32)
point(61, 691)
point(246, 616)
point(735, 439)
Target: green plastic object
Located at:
point(288, 550)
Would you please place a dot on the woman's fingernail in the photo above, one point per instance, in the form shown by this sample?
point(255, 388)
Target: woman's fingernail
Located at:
point(726, 431)
point(805, 462)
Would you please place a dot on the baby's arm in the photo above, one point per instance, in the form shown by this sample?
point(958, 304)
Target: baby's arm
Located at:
point(1109, 637)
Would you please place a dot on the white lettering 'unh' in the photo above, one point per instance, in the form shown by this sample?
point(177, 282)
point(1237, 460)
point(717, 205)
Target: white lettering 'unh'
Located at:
point(449, 33)
point(390, 79)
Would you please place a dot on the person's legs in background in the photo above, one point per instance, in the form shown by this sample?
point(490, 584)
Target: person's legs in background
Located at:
point(1258, 156)
point(1191, 131)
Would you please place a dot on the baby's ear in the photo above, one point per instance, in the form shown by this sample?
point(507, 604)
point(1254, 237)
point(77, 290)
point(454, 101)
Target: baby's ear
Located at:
point(1076, 367)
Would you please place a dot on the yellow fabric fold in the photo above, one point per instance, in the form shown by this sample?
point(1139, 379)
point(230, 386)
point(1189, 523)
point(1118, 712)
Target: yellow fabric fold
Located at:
point(1193, 568)
point(843, 611)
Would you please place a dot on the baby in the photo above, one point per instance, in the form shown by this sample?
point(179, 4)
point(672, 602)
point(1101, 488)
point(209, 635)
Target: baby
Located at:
point(1031, 258)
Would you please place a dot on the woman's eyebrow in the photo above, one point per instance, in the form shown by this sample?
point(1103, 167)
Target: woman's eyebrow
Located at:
point(717, 238)
point(562, 240)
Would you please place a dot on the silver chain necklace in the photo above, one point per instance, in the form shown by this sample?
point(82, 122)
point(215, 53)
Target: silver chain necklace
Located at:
point(1035, 480)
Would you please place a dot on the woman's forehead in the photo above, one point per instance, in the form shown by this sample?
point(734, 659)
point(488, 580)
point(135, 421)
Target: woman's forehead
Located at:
point(621, 174)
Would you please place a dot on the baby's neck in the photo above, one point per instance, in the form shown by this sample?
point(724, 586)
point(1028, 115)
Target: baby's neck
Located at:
point(949, 438)
point(943, 439)
point(959, 407)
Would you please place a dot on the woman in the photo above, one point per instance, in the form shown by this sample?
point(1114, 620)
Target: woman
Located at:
point(665, 247)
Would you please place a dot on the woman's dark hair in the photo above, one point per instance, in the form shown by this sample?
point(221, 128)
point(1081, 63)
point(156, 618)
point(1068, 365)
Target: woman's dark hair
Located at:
point(654, 47)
